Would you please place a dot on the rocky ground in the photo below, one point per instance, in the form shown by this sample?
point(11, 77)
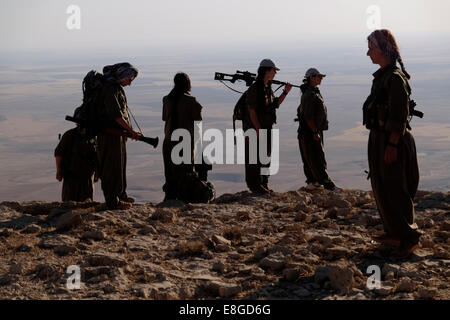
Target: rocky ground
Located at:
point(294, 245)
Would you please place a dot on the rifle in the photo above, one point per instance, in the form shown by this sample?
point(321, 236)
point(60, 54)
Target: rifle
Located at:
point(117, 132)
point(246, 76)
point(413, 113)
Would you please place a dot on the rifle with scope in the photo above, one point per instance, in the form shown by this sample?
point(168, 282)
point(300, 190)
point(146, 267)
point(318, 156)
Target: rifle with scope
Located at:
point(246, 76)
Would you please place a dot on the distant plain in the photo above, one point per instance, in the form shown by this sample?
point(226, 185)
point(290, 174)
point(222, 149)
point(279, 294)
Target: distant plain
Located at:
point(37, 91)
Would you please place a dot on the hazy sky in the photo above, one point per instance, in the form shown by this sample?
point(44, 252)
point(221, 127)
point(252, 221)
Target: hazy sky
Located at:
point(41, 25)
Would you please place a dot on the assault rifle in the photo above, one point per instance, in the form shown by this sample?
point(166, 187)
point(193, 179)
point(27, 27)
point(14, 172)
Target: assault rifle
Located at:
point(413, 112)
point(118, 132)
point(246, 76)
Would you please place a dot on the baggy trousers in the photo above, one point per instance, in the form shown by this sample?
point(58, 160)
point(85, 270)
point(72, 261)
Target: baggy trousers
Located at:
point(112, 158)
point(395, 185)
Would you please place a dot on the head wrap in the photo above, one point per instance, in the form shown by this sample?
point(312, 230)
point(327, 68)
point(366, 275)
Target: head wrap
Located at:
point(382, 41)
point(120, 71)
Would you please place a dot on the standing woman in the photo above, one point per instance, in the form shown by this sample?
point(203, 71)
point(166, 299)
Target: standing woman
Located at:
point(394, 173)
point(261, 105)
point(180, 110)
point(312, 117)
point(112, 153)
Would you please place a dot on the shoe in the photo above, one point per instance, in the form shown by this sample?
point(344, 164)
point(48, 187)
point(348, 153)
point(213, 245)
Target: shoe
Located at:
point(406, 249)
point(312, 186)
point(122, 205)
point(266, 186)
point(388, 240)
point(259, 190)
point(331, 186)
point(128, 199)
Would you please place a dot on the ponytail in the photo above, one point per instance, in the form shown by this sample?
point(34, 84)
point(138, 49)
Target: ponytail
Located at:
point(305, 85)
point(400, 61)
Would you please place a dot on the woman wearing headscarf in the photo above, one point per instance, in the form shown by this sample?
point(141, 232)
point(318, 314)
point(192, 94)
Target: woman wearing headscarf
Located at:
point(312, 117)
point(180, 110)
point(392, 156)
point(112, 154)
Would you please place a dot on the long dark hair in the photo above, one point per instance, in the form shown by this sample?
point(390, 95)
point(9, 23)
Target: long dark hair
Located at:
point(262, 72)
point(306, 84)
point(182, 84)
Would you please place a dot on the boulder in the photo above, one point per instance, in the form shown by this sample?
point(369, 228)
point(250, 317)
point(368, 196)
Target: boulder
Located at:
point(47, 272)
point(406, 285)
point(32, 228)
point(224, 290)
point(164, 215)
point(63, 250)
point(274, 262)
point(220, 240)
point(147, 230)
point(68, 220)
point(427, 293)
point(97, 235)
point(341, 278)
point(55, 240)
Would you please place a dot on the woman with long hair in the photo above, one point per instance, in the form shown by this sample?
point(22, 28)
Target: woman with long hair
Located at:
point(261, 105)
point(180, 110)
point(392, 155)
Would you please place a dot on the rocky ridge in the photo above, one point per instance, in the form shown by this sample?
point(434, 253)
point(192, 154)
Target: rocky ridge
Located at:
point(294, 245)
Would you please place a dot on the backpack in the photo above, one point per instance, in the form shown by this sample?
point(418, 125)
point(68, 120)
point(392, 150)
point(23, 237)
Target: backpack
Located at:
point(191, 189)
point(92, 86)
point(239, 112)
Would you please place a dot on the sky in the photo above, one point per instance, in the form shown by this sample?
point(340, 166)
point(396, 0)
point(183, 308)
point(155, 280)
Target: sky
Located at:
point(42, 63)
point(27, 25)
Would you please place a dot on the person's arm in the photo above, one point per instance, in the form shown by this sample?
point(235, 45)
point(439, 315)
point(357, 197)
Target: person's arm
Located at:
point(397, 117)
point(59, 175)
point(310, 109)
point(285, 93)
point(251, 101)
point(313, 128)
point(134, 135)
point(113, 110)
point(196, 110)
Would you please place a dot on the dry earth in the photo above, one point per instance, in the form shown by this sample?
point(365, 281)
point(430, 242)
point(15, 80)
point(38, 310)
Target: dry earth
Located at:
point(294, 245)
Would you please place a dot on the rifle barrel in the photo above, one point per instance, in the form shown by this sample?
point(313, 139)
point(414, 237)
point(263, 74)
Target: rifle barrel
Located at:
point(284, 83)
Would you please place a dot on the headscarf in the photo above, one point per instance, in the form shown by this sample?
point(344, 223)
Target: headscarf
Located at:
point(120, 71)
point(383, 40)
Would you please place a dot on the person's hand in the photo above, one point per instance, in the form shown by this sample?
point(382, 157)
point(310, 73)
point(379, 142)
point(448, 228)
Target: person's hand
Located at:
point(390, 154)
point(135, 135)
point(288, 87)
point(59, 176)
point(317, 136)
